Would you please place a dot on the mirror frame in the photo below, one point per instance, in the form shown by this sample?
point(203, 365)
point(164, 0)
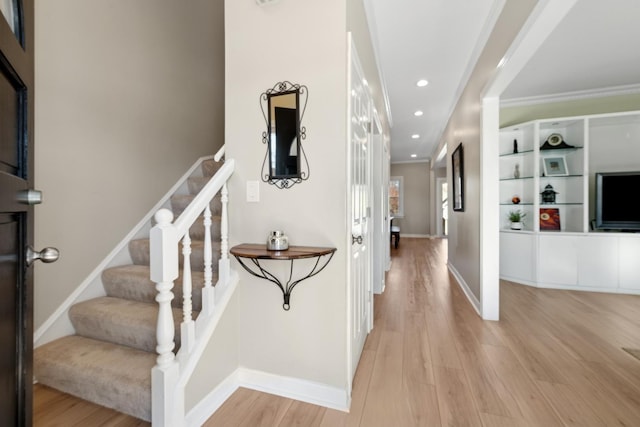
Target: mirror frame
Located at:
point(302, 93)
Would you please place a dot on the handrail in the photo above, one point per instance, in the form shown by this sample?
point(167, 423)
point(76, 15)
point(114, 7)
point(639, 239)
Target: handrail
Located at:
point(219, 154)
point(171, 373)
point(197, 205)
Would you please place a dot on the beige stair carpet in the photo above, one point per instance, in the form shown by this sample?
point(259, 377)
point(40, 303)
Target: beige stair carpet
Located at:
point(109, 359)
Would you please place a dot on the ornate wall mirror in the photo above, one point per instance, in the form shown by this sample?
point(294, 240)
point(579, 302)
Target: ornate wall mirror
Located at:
point(283, 107)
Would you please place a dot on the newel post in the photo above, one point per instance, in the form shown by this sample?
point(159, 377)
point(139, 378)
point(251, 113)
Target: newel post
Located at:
point(164, 270)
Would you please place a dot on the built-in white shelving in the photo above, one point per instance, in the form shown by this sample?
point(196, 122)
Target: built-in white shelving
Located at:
point(575, 256)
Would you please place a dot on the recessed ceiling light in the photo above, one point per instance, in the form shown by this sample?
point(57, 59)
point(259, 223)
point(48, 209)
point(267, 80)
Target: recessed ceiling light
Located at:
point(418, 113)
point(415, 136)
point(422, 83)
point(414, 155)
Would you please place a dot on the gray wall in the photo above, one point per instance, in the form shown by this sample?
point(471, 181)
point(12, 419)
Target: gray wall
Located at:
point(464, 126)
point(417, 189)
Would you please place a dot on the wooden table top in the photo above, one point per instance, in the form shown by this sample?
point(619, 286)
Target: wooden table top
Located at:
point(259, 251)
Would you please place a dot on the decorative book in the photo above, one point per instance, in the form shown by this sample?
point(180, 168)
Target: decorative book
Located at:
point(549, 219)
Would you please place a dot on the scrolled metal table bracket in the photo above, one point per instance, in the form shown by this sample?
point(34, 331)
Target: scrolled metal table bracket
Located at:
point(256, 269)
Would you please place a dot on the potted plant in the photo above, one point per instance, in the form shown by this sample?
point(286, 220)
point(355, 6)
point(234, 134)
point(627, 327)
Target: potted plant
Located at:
point(517, 219)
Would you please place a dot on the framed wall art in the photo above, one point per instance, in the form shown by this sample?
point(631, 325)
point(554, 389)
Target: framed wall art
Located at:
point(555, 166)
point(457, 163)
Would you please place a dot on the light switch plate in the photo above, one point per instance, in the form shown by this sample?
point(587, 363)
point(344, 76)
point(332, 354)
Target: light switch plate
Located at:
point(253, 191)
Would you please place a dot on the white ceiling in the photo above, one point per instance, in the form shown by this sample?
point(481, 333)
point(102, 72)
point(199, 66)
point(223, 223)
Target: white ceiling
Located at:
point(436, 40)
point(595, 47)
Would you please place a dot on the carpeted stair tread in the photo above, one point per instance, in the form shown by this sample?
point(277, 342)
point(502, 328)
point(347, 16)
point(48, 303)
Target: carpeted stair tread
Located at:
point(139, 251)
point(120, 321)
point(110, 375)
point(133, 282)
point(197, 183)
point(196, 232)
point(210, 167)
point(179, 202)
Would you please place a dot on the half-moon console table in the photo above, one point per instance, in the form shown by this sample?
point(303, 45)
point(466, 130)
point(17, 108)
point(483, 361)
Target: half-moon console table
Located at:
point(256, 252)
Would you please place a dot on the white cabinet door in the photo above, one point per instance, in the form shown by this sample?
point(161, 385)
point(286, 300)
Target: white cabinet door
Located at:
point(558, 260)
point(518, 256)
point(597, 261)
point(629, 261)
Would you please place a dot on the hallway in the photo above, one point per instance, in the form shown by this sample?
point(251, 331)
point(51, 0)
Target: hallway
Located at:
point(554, 359)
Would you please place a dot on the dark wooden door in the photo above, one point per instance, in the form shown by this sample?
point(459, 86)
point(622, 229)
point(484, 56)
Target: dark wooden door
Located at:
point(16, 217)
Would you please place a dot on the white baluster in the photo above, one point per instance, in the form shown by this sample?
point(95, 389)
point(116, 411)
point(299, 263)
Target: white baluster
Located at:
point(223, 263)
point(208, 250)
point(208, 292)
point(187, 328)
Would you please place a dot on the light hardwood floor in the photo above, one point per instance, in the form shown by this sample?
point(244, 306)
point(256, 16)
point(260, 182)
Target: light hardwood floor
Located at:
point(554, 359)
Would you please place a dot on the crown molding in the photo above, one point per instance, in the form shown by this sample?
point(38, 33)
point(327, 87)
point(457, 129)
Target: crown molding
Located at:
point(571, 96)
point(369, 11)
point(402, 162)
point(481, 41)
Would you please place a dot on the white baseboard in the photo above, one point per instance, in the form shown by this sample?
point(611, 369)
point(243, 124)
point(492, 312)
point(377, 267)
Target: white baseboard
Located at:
point(295, 388)
point(292, 388)
point(416, 236)
point(475, 303)
point(200, 413)
point(622, 291)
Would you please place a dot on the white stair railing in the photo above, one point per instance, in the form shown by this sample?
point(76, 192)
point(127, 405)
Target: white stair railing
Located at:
point(171, 373)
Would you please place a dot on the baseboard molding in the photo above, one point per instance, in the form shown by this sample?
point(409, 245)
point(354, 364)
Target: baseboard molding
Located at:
point(295, 388)
point(622, 291)
point(465, 288)
point(203, 410)
point(292, 388)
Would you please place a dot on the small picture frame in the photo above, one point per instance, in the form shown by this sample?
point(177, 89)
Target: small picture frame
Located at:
point(457, 163)
point(555, 166)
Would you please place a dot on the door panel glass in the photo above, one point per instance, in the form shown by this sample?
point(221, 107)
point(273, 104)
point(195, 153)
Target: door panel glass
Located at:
point(11, 12)
point(9, 161)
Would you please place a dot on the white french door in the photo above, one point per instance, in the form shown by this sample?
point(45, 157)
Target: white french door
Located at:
point(359, 174)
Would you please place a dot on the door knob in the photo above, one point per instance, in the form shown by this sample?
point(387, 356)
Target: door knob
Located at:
point(46, 255)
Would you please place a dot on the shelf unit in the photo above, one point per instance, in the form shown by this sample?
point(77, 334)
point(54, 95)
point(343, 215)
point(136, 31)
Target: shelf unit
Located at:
point(531, 182)
point(576, 256)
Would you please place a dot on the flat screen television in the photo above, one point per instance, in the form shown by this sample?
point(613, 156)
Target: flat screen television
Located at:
point(617, 204)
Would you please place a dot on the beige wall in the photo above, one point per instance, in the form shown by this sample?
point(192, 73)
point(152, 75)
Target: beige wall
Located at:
point(464, 126)
point(608, 104)
point(309, 341)
point(416, 181)
point(128, 96)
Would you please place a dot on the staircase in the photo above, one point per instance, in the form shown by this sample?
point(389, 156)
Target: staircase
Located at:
point(110, 357)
